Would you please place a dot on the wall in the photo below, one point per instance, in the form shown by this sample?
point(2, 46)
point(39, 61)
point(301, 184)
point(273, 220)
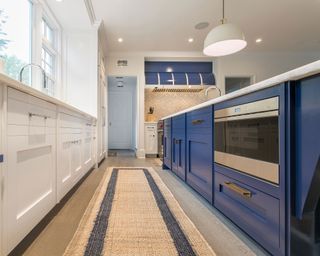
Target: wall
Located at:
point(167, 103)
point(261, 65)
point(80, 69)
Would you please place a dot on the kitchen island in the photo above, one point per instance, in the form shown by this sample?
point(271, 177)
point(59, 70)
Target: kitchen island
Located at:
point(47, 147)
point(254, 155)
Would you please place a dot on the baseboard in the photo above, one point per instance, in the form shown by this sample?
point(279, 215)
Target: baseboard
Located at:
point(140, 153)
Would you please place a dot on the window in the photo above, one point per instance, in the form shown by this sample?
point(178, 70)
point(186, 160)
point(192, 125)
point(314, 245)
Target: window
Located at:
point(237, 82)
point(48, 57)
point(16, 37)
point(29, 34)
point(47, 32)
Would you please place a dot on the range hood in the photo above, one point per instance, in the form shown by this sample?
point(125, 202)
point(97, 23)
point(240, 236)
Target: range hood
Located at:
point(178, 76)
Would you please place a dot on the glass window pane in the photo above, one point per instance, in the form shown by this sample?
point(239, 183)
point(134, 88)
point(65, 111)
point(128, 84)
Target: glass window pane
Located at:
point(15, 36)
point(47, 32)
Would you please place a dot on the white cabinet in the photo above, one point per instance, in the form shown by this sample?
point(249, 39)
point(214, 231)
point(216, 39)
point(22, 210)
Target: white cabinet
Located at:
point(69, 152)
point(1, 171)
point(88, 140)
point(47, 151)
point(101, 125)
point(150, 138)
point(75, 150)
point(31, 164)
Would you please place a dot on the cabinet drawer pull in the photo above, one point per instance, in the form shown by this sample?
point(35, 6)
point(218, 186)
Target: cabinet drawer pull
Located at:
point(197, 121)
point(238, 189)
point(38, 115)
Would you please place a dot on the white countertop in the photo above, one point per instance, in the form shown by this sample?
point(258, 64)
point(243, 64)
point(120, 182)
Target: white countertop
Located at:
point(295, 74)
point(8, 81)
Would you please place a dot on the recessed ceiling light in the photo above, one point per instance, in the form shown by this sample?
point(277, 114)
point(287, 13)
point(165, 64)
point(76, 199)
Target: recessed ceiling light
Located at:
point(59, 0)
point(258, 40)
point(201, 25)
point(120, 40)
point(190, 40)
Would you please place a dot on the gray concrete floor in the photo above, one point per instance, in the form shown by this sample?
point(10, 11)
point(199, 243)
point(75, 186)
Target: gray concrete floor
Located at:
point(223, 236)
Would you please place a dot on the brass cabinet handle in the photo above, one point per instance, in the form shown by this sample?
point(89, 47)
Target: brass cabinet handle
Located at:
point(197, 121)
point(238, 189)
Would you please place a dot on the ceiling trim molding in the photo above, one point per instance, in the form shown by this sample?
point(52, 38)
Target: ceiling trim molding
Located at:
point(90, 11)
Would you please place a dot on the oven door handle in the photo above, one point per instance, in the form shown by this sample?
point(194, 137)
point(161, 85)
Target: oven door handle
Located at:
point(248, 116)
point(238, 189)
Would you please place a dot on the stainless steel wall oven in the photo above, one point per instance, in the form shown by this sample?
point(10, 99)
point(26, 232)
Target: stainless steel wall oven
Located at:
point(246, 138)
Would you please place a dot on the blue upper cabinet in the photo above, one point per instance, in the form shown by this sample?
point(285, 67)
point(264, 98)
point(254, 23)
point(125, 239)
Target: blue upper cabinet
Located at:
point(179, 73)
point(152, 78)
point(180, 78)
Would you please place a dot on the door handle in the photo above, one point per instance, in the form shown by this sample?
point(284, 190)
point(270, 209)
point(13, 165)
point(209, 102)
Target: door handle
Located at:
point(1, 158)
point(235, 188)
point(197, 121)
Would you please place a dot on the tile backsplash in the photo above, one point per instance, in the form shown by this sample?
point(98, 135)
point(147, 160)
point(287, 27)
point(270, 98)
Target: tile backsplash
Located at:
point(167, 103)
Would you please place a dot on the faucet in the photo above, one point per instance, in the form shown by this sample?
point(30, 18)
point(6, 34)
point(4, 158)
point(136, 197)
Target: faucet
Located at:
point(212, 87)
point(34, 65)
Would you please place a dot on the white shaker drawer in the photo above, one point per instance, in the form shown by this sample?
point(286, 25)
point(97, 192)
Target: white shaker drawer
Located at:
point(22, 113)
point(70, 121)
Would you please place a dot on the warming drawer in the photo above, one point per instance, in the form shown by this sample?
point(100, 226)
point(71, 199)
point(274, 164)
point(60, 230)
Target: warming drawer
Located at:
point(257, 213)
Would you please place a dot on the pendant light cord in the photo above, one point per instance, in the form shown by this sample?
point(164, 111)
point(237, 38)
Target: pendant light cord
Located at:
point(223, 19)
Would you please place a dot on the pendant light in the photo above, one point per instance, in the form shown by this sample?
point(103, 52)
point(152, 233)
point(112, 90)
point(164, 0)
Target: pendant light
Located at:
point(224, 39)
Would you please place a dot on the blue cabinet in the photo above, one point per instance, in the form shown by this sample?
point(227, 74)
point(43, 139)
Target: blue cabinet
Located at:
point(305, 166)
point(251, 209)
point(199, 144)
point(167, 133)
point(179, 145)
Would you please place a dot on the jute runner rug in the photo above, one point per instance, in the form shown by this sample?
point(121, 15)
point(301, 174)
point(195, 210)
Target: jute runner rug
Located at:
point(133, 213)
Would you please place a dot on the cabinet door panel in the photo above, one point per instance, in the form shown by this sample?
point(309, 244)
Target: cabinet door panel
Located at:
point(200, 163)
point(30, 185)
point(167, 144)
point(178, 153)
point(76, 156)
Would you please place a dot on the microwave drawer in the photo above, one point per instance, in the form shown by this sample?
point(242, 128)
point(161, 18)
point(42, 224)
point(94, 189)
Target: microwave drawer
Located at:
point(257, 213)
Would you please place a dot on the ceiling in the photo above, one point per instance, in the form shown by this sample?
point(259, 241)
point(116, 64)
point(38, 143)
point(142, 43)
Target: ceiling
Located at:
point(71, 14)
point(166, 25)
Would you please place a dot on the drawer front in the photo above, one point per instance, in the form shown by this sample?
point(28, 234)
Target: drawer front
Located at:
point(23, 113)
point(70, 121)
point(201, 118)
point(200, 164)
point(178, 122)
point(257, 213)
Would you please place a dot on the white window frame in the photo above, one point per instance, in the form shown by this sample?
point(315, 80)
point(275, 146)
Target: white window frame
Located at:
point(42, 12)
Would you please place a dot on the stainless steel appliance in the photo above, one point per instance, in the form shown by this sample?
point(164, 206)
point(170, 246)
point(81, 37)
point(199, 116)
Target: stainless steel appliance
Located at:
point(160, 138)
point(247, 138)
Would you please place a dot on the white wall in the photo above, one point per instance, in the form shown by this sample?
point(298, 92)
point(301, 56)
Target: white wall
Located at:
point(80, 69)
point(261, 65)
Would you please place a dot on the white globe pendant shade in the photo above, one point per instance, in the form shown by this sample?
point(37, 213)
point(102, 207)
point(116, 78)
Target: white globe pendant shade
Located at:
point(223, 40)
